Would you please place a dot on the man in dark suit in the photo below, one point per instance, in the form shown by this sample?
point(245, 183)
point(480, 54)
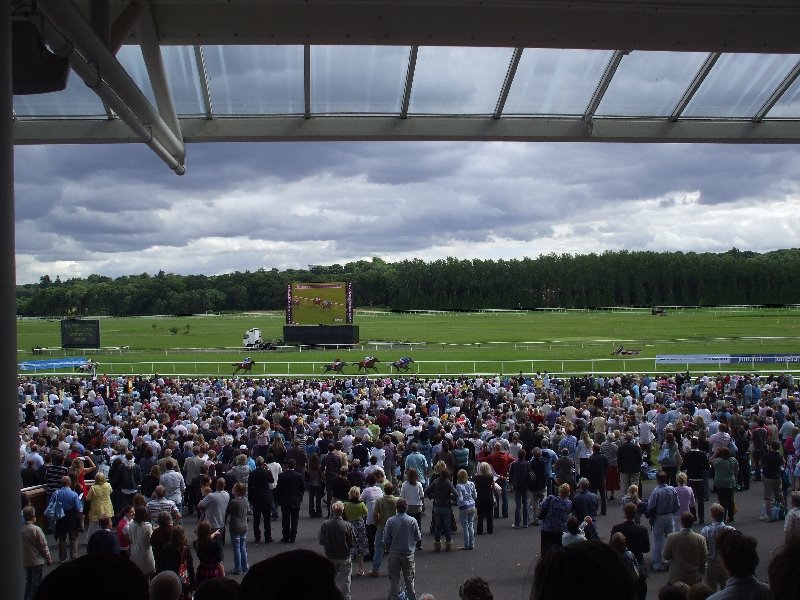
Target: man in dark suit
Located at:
point(596, 473)
point(637, 536)
point(289, 495)
point(260, 495)
point(629, 461)
point(103, 541)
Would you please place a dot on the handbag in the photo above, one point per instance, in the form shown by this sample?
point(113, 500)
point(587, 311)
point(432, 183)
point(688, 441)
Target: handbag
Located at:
point(663, 455)
point(54, 510)
point(544, 508)
point(183, 571)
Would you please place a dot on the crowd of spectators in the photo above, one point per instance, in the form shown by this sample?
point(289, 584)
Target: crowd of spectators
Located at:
point(127, 458)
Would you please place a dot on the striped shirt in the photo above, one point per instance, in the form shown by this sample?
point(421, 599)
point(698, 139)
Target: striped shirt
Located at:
point(710, 532)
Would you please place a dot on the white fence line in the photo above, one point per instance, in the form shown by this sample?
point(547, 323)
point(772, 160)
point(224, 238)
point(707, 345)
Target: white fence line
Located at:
point(424, 368)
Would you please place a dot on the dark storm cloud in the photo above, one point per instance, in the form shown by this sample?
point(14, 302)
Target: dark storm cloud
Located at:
point(300, 202)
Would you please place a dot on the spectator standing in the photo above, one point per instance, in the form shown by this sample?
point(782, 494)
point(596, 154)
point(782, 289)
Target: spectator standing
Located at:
point(289, 494)
point(661, 506)
point(237, 524)
point(553, 515)
point(35, 553)
point(139, 533)
point(687, 552)
point(596, 472)
point(173, 484)
point(484, 487)
point(104, 541)
point(629, 461)
point(444, 495)
point(400, 539)
point(467, 494)
point(337, 537)
point(260, 495)
point(637, 537)
point(384, 508)
point(771, 469)
point(67, 526)
point(791, 525)
point(215, 507)
point(585, 504)
point(715, 574)
point(697, 468)
point(500, 460)
point(740, 559)
point(519, 477)
point(725, 470)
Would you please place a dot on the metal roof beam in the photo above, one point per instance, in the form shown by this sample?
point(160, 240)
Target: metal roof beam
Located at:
point(510, 73)
point(412, 66)
point(307, 81)
point(691, 90)
point(763, 26)
point(777, 94)
point(154, 62)
point(202, 74)
point(419, 128)
point(73, 26)
point(602, 85)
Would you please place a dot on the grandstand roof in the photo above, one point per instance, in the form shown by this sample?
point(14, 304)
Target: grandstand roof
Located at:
point(171, 72)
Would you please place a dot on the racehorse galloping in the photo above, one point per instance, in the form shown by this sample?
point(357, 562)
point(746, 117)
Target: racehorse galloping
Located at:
point(368, 363)
point(327, 305)
point(88, 367)
point(244, 366)
point(623, 351)
point(404, 364)
point(336, 366)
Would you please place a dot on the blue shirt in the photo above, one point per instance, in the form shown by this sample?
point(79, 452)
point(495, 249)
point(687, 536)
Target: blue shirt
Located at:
point(663, 501)
point(401, 534)
point(69, 499)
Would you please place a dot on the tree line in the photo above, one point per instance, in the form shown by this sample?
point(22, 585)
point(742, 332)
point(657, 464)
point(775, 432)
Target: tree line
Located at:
point(554, 280)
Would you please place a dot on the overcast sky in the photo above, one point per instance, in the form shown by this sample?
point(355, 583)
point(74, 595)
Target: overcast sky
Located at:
point(117, 209)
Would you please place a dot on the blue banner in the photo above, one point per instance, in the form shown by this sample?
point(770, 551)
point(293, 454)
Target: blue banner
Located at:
point(693, 359)
point(764, 358)
point(48, 364)
point(725, 359)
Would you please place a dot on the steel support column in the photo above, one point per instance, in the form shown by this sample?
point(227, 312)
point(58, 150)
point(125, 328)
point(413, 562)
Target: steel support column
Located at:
point(14, 582)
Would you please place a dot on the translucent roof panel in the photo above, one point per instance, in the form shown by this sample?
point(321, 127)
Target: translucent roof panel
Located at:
point(255, 80)
point(465, 81)
point(555, 82)
point(76, 100)
point(649, 83)
point(184, 80)
point(357, 79)
point(788, 107)
point(739, 84)
point(130, 57)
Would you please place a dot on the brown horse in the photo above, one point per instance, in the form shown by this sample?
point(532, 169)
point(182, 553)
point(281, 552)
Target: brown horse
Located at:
point(336, 366)
point(244, 367)
point(368, 363)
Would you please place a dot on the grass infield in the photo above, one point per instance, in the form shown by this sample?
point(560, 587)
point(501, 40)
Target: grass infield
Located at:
point(442, 343)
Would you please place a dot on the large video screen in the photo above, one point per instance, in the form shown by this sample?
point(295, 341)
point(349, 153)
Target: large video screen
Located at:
point(80, 333)
point(319, 303)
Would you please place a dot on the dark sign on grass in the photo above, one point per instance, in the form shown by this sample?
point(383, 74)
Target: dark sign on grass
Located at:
point(80, 333)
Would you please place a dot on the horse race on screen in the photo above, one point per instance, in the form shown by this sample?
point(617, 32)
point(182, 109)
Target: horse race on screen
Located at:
point(319, 304)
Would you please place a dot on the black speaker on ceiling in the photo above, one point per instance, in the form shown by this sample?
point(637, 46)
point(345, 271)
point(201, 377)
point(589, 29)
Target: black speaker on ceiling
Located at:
point(35, 69)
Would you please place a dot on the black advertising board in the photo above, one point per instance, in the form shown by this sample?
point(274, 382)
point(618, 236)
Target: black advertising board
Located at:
point(80, 333)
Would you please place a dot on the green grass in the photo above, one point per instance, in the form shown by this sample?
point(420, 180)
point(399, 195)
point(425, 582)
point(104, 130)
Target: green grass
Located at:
point(451, 343)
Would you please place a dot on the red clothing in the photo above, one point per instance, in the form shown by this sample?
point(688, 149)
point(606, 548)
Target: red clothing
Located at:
point(500, 462)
